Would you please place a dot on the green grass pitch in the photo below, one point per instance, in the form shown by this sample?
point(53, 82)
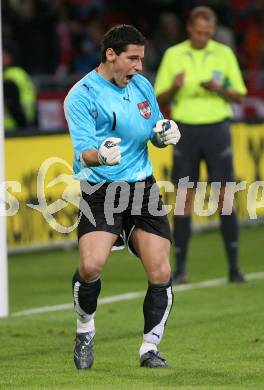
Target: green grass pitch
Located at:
point(214, 338)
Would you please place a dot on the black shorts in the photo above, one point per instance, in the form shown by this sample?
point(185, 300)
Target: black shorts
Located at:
point(137, 211)
point(211, 143)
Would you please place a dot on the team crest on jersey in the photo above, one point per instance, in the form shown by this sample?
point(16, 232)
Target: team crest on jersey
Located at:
point(144, 109)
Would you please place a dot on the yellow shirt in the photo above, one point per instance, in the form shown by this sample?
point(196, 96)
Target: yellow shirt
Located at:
point(27, 95)
point(192, 104)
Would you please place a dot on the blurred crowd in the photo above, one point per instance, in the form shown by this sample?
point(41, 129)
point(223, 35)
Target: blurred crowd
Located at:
point(48, 45)
point(63, 36)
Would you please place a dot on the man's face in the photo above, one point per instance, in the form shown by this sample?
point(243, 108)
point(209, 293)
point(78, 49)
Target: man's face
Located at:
point(200, 32)
point(127, 64)
point(6, 58)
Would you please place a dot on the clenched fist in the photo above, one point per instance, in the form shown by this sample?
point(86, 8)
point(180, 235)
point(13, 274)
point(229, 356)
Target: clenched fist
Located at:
point(109, 151)
point(167, 132)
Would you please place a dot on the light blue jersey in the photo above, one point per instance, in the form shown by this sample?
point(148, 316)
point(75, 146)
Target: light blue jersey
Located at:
point(96, 109)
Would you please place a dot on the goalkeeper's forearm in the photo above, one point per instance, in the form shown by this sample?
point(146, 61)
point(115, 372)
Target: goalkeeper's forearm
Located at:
point(90, 158)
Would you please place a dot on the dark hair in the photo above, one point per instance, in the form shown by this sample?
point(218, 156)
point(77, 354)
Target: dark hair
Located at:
point(119, 37)
point(202, 12)
point(11, 48)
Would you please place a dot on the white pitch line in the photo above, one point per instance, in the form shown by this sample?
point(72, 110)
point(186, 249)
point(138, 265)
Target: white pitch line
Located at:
point(133, 295)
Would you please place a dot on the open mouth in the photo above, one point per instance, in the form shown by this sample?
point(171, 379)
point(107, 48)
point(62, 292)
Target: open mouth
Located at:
point(129, 77)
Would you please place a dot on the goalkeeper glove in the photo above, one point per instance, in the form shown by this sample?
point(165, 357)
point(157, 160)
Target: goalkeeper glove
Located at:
point(109, 151)
point(167, 132)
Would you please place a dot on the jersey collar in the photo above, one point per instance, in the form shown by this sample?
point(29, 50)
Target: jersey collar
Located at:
point(108, 83)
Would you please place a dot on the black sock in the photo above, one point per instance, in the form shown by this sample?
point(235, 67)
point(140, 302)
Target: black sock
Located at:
point(157, 306)
point(181, 235)
point(229, 229)
point(85, 296)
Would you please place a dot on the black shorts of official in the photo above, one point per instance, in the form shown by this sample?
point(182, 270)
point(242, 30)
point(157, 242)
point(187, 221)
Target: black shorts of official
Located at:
point(123, 222)
point(209, 142)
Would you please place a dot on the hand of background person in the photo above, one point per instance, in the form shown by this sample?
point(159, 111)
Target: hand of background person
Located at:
point(109, 151)
point(179, 79)
point(212, 85)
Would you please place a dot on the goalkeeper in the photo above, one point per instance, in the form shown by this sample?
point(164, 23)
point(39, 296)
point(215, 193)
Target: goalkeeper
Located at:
point(112, 113)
